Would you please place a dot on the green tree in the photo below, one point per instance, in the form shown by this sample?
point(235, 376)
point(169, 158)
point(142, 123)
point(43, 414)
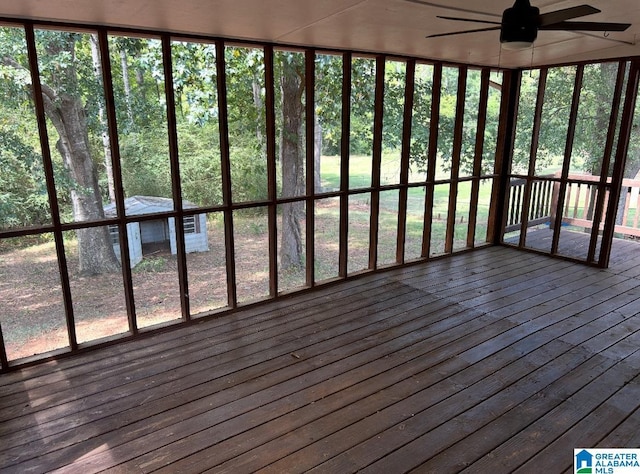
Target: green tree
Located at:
point(245, 79)
point(23, 194)
point(292, 87)
point(65, 90)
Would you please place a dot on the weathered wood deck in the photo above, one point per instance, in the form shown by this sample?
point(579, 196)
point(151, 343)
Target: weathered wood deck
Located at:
point(491, 361)
point(575, 244)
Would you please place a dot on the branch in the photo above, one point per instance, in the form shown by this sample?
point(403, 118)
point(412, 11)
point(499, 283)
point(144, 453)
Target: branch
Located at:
point(47, 91)
point(49, 96)
point(52, 111)
point(9, 61)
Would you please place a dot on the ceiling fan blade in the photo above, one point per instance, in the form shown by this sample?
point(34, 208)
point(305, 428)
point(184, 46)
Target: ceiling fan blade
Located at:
point(493, 28)
point(586, 26)
point(468, 19)
point(566, 14)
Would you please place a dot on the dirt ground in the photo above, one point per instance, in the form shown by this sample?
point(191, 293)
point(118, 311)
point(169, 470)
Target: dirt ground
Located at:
point(32, 315)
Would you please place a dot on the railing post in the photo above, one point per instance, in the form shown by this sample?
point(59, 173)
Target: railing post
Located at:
point(4, 362)
point(555, 195)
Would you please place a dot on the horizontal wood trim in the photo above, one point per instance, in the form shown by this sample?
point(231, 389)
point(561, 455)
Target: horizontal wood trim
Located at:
point(620, 229)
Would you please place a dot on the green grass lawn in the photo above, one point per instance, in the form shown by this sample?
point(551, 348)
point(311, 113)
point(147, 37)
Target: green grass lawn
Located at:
point(360, 177)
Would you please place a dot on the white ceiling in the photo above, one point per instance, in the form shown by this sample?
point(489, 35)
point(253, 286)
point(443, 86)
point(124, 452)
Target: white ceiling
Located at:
point(382, 26)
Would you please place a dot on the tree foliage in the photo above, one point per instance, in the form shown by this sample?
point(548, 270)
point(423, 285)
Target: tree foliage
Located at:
point(74, 104)
point(69, 96)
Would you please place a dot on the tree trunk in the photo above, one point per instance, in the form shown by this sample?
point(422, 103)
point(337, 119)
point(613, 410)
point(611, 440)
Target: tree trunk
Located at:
point(124, 64)
point(292, 161)
point(104, 132)
point(142, 88)
point(95, 252)
point(256, 89)
point(66, 112)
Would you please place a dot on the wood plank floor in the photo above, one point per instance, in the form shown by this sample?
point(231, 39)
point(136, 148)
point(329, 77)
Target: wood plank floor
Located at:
point(573, 243)
point(491, 361)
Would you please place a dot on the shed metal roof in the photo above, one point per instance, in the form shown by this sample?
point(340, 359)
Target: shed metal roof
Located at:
point(136, 205)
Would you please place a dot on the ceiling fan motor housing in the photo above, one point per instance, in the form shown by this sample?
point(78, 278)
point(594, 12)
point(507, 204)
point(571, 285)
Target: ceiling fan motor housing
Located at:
point(520, 23)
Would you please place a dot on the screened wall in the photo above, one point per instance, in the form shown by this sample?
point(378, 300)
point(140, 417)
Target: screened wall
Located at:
point(308, 167)
point(575, 143)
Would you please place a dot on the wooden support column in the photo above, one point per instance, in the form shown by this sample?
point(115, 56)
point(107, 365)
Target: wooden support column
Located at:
point(485, 77)
point(344, 165)
point(374, 222)
point(431, 159)
point(51, 189)
point(533, 155)
point(176, 183)
point(123, 233)
point(225, 163)
point(504, 154)
point(606, 162)
point(272, 212)
point(571, 133)
point(310, 116)
point(409, 91)
point(620, 162)
point(455, 158)
point(4, 362)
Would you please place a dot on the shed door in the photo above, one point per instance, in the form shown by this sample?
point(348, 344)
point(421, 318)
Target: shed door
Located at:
point(135, 243)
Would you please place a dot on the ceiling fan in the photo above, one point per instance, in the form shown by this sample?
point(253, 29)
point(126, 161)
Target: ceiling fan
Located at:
point(520, 23)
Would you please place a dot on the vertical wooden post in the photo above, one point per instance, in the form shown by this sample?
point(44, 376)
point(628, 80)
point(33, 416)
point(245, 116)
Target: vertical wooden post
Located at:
point(376, 163)
point(537, 121)
point(533, 154)
point(310, 115)
point(409, 90)
point(455, 158)
point(431, 159)
point(504, 153)
point(271, 169)
point(4, 362)
point(176, 183)
point(344, 165)
point(51, 189)
point(571, 133)
point(553, 206)
point(606, 161)
point(123, 233)
point(225, 166)
point(620, 162)
point(477, 156)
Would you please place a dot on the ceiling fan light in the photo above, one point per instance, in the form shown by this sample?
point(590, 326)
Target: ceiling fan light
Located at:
point(519, 27)
point(517, 45)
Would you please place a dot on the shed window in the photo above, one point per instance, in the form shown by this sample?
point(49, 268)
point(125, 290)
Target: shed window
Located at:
point(190, 225)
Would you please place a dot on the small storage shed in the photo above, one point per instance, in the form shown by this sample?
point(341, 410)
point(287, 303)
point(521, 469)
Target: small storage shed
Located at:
point(150, 236)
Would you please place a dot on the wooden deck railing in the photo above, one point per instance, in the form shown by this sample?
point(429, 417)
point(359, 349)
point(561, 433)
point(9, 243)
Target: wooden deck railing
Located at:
point(539, 203)
point(579, 203)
